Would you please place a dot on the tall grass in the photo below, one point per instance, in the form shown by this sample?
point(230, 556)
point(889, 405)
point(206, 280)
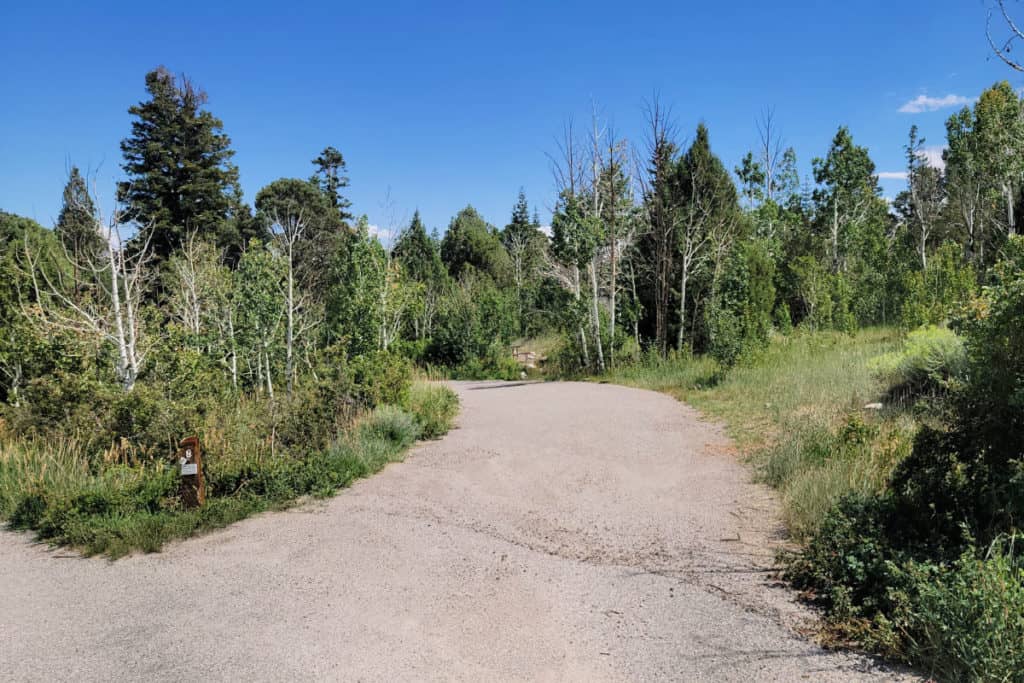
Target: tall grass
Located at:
point(106, 503)
point(435, 407)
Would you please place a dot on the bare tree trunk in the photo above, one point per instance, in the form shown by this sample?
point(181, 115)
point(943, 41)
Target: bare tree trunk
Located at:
point(595, 190)
point(682, 302)
point(233, 350)
point(1011, 226)
point(270, 380)
point(595, 316)
point(289, 354)
point(835, 235)
point(583, 335)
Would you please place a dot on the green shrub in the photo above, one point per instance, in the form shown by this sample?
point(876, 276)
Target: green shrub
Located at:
point(739, 318)
point(936, 293)
point(848, 566)
point(114, 503)
point(966, 622)
point(389, 424)
point(434, 406)
point(381, 378)
point(931, 361)
point(782, 318)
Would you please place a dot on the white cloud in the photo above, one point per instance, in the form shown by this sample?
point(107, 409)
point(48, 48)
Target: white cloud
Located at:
point(892, 175)
point(923, 103)
point(546, 229)
point(933, 156)
point(383, 235)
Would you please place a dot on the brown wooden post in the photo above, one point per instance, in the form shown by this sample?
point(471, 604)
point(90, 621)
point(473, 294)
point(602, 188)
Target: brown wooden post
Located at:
point(193, 485)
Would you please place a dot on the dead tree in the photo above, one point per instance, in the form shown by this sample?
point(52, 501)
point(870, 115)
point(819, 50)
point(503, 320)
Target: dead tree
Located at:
point(661, 215)
point(119, 276)
point(289, 230)
point(567, 170)
point(1003, 49)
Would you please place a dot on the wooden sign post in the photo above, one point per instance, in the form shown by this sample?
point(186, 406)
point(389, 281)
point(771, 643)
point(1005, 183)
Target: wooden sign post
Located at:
point(193, 485)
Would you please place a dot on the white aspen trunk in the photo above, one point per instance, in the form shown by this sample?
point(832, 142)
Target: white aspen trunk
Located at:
point(613, 292)
point(578, 294)
point(129, 306)
point(682, 301)
point(233, 350)
point(270, 381)
point(123, 364)
point(595, 316)
point(384, 307)
point(289, 353)
point(835, 235)
point(1011, 226)
point(636, 319)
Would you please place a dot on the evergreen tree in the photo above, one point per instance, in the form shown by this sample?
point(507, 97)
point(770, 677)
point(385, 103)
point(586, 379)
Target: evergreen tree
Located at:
point(287, 201)
point(418, 254)
point(708, 220)
point(76, 224)
point(178, 162)
point(470, 241)
point(330, 178)
point(848, 196)
point(525, 244)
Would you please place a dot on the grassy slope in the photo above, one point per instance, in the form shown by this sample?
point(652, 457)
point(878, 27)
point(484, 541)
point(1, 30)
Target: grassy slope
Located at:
point(59, 491)
point(798, 409)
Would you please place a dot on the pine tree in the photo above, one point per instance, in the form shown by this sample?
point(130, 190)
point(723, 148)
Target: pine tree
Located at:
point(76, 225)
point(288, 201)
point(418, 254)
point(178, 162)
point(525, 245)
point(471, 241)
point(330, 178)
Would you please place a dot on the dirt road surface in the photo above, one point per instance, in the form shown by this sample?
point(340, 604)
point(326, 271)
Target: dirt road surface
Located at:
point(565, 532)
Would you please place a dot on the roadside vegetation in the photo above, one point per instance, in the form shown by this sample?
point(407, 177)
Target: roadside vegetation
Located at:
point(68, 492)
point(897, 456)
point(286, 334)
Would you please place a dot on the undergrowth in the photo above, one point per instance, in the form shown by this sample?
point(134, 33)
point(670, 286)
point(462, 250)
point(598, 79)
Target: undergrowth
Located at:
point(114, 505)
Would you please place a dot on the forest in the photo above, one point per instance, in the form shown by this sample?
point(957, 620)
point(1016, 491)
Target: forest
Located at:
point(295, 340)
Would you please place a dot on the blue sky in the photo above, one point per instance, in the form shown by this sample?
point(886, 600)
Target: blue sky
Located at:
point(456, 103)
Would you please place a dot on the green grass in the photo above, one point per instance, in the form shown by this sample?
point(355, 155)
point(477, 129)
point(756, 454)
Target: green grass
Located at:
point(435, 407)
point(115, 505)
point(797, 409)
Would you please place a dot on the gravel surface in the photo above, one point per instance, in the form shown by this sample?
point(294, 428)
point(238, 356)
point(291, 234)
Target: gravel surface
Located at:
point(565, 531)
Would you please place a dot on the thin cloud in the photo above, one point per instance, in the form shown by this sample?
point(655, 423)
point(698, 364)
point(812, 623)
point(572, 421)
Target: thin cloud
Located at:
point(383, 235)
point(933, 157)
point(923, 103)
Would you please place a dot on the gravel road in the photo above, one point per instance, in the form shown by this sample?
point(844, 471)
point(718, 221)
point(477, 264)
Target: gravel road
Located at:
point(565, 532)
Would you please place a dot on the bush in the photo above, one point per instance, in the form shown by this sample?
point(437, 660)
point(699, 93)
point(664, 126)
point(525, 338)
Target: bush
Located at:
point(739, 318)
point(930, 363)
point(966, 622)
point(381, 378)
point(848, 566)
point(434, 406)
point(390, 424)
point(109, 503)
point(475, 319)
point(936, 293)
point(907, 562)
